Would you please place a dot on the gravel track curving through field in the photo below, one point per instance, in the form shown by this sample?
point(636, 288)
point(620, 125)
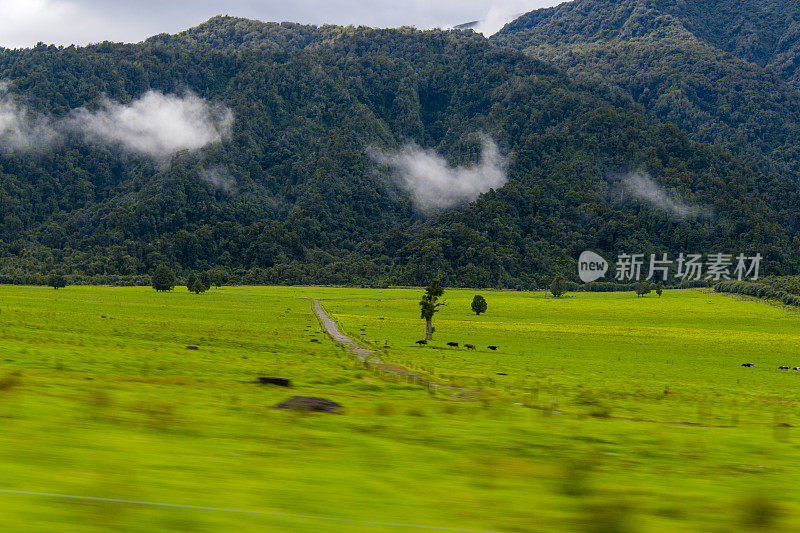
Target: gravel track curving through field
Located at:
point(370, 359)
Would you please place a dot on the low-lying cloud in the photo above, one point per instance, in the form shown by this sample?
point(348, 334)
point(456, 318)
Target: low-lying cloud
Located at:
point(642, 187)
point(501, 13)
point(219, 178)
point(156, 125)
point(20, 129)
point(433, 184)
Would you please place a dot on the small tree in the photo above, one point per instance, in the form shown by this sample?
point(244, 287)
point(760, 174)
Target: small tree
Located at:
point(163, 279)
point(479, 304)
point(216, 278)
point(191, 279)
point(659, 288)
point(559, 286)
point(429, 306)
point(205, 279)
point(198, 286)
point(56, 281)
point(642, 288)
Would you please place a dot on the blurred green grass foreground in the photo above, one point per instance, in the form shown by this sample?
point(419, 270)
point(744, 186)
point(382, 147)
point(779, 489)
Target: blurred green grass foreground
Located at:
point(598, 413)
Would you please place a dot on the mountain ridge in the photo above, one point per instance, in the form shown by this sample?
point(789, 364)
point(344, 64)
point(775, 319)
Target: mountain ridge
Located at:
point(308, 205)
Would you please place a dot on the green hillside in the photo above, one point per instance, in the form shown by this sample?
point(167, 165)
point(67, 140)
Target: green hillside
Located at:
point(722, 71)
point(305, 203)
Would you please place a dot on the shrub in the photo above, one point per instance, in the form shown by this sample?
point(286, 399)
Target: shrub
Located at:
point(758, 290)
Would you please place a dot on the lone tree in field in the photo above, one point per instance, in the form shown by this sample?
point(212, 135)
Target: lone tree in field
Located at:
point(163, 279)
point(642, 288)
point(56, 281)
point(429, 306)
point(205, 279)
point(659, 289)
point(479, 304)
point(198, 286)
point(559, 286)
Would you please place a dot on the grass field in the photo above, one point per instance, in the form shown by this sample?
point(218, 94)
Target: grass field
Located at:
point(614, 414)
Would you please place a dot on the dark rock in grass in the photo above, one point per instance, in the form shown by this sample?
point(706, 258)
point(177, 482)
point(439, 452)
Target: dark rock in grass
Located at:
point(314, 340)
point(309, 403)
point(281, 382)
point(192, 347)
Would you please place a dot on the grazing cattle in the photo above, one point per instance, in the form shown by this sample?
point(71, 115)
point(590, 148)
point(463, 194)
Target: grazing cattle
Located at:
point(470, 346)
point(501, 374)
point(494, 348)
point(748, 365)
point(422, 342)
point(192, 348)
point(783, 368)
point(797, 369)
point(453, 344)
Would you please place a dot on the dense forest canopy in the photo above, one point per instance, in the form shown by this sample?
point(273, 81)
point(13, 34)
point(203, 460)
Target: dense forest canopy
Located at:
point(722, 71)
point(278, 180)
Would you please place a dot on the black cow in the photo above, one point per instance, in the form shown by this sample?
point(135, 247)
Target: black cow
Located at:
point(422, 342)
point(783, 368)
point(494, 348)
point(748, 365)
point(470, 346)
point(453, 344)
point(797, 368)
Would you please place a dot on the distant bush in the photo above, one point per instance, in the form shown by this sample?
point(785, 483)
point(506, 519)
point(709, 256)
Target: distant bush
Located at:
point(599, 286)
point(57, 281)
point(758, 290)
point(642, 288)
point(790, 284)
point(558, 287)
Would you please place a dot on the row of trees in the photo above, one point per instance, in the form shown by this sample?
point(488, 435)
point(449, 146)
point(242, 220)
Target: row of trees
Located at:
point(559, 287)
point(164, 280)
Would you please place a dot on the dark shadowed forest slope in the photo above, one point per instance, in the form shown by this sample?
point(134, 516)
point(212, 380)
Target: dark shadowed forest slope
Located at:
point(291, 191)
point(723, 71)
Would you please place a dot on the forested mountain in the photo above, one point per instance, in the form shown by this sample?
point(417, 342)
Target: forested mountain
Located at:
point(723, 71)
point(285, 187)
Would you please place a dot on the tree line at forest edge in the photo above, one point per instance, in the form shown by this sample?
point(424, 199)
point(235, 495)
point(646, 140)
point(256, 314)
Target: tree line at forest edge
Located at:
point(309, 206)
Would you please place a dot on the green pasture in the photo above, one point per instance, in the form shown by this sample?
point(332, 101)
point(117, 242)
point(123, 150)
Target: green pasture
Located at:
point(613, 413)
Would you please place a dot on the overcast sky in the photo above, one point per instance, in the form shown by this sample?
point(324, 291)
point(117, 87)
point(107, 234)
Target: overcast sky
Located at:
point(23, 23)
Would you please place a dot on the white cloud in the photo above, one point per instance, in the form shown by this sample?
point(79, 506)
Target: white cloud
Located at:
point(501, 13)
point(642, 187)
point(433, 184)
point(20, 129)
point(219, 178)
point(156, 125)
